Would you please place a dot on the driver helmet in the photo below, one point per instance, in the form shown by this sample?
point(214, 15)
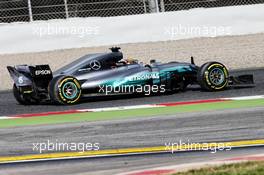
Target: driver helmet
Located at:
point(131, 61)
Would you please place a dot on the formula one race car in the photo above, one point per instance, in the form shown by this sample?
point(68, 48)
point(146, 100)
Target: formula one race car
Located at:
point(109, 73)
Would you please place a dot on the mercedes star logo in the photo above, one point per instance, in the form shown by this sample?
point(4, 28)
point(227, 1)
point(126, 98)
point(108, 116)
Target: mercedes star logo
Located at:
point(95, 65)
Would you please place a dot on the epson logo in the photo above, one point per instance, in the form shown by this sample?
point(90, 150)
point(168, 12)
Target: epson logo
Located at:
point(43, 72)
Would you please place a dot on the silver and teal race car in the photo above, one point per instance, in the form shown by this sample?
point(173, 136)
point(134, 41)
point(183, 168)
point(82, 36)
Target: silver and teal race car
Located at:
point(108, 73)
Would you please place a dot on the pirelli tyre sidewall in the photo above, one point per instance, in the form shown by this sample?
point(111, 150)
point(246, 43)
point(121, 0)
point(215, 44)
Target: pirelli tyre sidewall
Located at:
point(65, 90)
point(213, 76)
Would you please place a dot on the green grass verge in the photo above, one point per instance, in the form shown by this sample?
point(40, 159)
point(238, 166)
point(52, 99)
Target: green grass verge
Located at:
point(248, 168)
point(133, 113)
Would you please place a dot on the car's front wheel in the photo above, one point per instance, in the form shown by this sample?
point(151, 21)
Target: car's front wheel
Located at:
point(213, 76)
point(65, 90)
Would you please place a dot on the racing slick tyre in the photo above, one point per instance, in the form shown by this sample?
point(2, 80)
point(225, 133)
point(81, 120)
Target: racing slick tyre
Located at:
point(65, 90)
point(21, 98)
point(213, 76)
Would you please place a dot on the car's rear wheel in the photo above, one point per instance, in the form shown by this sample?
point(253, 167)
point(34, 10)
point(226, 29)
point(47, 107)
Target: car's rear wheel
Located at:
point(213, 76)
point(65, 90)
point(21, 98)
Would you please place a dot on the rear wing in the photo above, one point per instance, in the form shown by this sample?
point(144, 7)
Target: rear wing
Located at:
point(24, 75)
point(41, 71)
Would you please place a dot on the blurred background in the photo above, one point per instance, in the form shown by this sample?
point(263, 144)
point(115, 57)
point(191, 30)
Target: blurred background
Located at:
point(31, 10)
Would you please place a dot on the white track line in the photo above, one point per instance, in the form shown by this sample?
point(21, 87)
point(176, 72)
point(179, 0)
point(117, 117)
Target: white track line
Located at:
point(6, 117)
point(245, 97)
point(157, 105)
point(256, 97)
point(119, 108)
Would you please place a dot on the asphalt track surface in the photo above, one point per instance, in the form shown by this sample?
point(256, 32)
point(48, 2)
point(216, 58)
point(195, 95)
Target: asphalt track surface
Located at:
point(8, 105)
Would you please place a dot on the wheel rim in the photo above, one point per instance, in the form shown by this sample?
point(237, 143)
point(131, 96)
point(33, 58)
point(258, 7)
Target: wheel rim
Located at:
point(70, 90)
point(217, 76)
